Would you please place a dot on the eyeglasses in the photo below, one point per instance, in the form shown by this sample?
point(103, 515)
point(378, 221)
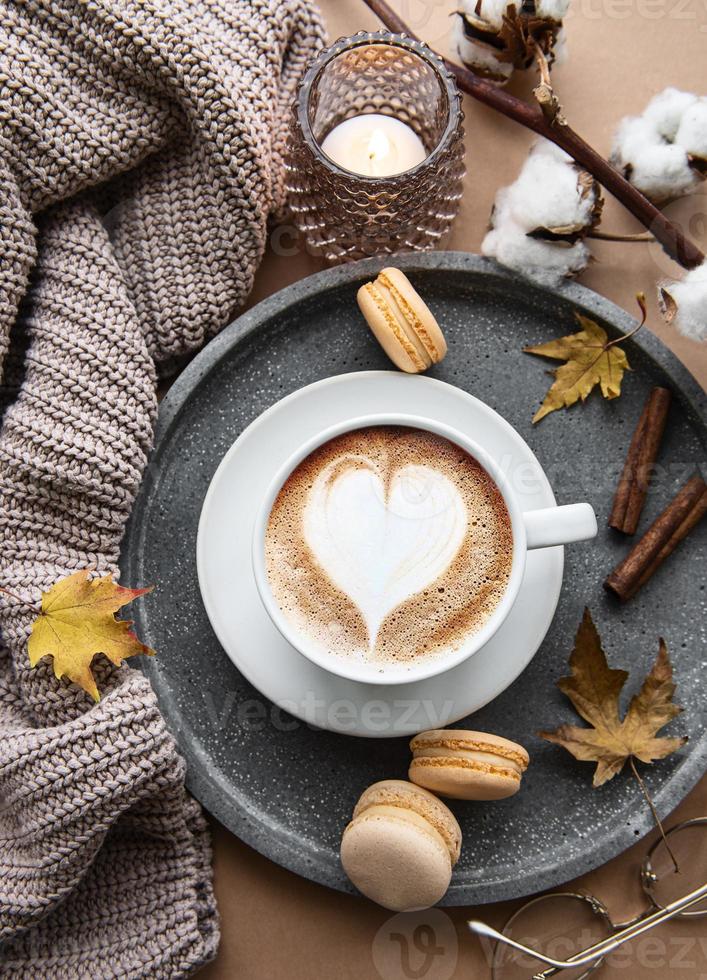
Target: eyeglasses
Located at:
point(573, 932)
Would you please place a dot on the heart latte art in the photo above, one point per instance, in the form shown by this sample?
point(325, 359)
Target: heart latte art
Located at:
point(388, 543)
point(380, 544)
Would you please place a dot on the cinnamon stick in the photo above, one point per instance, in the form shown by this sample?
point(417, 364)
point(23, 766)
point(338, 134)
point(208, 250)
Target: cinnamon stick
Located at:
point(681, 515)
point(635, 478)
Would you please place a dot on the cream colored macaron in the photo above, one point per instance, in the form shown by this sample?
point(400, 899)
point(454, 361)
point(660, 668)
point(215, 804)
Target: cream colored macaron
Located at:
point(402, 322)
point(467, 765)
point(401, 846)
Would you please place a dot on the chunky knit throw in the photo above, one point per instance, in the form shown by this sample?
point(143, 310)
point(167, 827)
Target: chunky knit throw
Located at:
point(140, 154)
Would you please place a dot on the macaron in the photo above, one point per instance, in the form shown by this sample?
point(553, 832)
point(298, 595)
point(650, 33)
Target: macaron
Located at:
point(467, 765)
point(401, 846)
point(401, 322)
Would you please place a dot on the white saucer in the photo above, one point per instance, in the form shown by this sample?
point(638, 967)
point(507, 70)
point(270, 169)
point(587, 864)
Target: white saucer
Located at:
point(243, 626)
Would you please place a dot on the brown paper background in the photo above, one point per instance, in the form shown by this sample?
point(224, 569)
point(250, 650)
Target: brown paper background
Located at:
point(621, 52)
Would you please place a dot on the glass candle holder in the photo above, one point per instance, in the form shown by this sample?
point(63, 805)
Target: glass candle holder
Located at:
point(346, 214)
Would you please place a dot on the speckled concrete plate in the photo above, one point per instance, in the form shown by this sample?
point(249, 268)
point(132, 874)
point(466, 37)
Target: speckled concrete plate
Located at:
point(288, 789)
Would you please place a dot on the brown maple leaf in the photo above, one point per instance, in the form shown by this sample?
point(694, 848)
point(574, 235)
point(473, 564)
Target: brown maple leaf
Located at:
point(591, 359)
point(594, 690)
point(77, 621)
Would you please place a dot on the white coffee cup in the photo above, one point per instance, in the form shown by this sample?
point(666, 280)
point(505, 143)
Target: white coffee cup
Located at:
point(531, 529)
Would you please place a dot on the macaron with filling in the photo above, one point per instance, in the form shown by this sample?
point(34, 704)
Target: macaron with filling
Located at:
point(466, 765)
point(401, 322)
point(401, 846)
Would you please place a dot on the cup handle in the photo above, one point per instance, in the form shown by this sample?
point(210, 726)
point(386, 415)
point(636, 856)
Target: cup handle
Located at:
point(559, 525)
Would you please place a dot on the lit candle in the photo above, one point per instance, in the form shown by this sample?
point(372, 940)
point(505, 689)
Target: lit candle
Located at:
point(374, 145)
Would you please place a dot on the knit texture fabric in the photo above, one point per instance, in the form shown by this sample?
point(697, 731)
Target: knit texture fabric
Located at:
point(140, 155)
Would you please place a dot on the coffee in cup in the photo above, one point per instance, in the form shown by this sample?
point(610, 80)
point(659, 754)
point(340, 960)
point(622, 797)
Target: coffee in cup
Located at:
point(388, 544)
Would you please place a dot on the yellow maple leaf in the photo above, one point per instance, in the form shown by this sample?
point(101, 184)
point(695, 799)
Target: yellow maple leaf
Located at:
point(594, 689)
point(592, 359)
point(77, 621)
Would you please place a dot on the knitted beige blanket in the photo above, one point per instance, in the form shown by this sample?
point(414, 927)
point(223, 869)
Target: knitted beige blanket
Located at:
point(171, 116)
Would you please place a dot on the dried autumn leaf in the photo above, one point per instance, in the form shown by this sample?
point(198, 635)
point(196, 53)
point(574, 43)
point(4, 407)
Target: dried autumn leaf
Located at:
point(594, 690)
point(592, 359)
point(77, 621)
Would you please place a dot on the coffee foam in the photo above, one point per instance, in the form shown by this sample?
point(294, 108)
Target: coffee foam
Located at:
point(389, 544)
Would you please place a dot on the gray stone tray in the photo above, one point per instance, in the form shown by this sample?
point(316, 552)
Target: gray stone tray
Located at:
point(287, 789)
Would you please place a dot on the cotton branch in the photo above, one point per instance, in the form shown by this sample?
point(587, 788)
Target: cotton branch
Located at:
point(544, 93)
point(675, 244)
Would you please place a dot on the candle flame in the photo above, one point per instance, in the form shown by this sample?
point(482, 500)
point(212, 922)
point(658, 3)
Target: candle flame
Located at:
point(378, 145)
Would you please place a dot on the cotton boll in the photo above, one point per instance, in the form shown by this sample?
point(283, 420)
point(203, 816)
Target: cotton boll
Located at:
point(684, 303)
point(495, 36)
point(543, 147)
point(549, 193)
point(659, 151)
point(490, 11)
point(692, 131)
point(665, 111)
point(545, 262)
point(552, 9)
point(635, 134)
point(550, 197)
point(493, 11)
point(481, 58)
point(658, 169)
point(662, 172)
point(546, 194)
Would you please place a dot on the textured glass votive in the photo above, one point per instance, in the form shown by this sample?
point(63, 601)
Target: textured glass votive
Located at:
point(346, 215)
